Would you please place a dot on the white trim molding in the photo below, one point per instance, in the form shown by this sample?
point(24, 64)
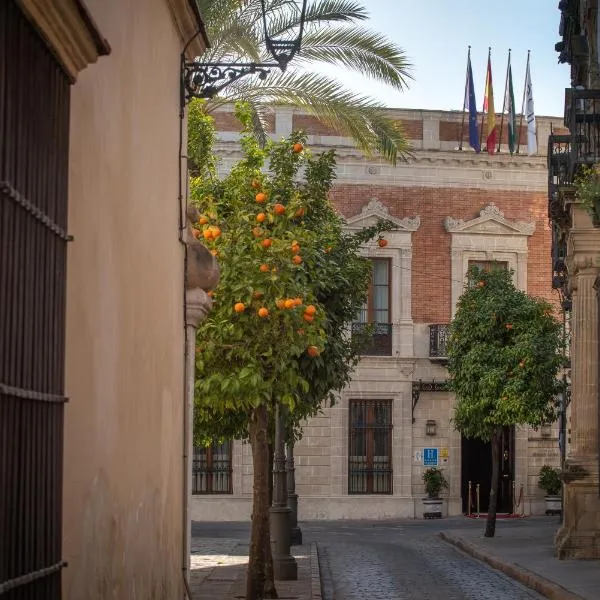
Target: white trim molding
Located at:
point(488, 237)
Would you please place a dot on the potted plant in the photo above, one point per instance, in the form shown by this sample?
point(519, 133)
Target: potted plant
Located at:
point(587, 190)
point(549, 480)
point(435, 482)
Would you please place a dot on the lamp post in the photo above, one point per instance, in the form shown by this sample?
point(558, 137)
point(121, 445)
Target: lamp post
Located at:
point(292, 497)
point(206, 79)
point(285, 566)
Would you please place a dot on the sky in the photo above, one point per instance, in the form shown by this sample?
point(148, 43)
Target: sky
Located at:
point(435, 35)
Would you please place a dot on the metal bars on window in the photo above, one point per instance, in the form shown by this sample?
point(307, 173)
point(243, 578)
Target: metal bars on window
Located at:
point(212, 469)
point(370, 447)
point(34, 137)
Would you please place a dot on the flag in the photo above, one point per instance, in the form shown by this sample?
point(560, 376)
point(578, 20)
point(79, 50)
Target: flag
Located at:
point(509, 103)
point(471, 106)
point(488, 107)
point(530, 114)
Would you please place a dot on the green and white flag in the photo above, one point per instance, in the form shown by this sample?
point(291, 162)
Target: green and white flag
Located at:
point(509, 103)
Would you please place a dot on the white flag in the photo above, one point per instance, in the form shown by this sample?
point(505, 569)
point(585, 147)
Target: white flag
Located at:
point(530, 115)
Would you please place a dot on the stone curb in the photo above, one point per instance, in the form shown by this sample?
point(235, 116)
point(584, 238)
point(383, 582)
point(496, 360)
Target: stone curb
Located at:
point(315, 573)
point(536, 582)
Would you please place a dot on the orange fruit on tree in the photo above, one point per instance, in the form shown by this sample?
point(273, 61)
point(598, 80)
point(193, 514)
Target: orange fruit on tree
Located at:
point(522, 364)
point(274, 270)
point(295, 248)
point(260, 217)
point(297, 147)
point(239, 307)
point(481, 284)
point(214, 252)
point(203, 220)
point(308, 318)
point(297, 301)
point(207, 233)
point(266, 243)
point(328, 249)
point(299, 212)
point(216, 232)
point(280, 303)
point(297, 259)
point(509, 326)
point(289, 303)
point(260, 197)
point(210, 293)
point(257, 231)
point(255, 183)
point(313, 351)
point(279, 209)
point(257, 294)
point(196, 233)
point(382, 243)
point(264, 268)
point(263, 312)
point(310, 310)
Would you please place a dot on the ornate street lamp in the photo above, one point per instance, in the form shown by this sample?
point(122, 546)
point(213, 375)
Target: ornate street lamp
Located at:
point(206, 79)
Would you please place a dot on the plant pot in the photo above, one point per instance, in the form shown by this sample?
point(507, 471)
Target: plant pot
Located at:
point(432, 508)
point(553, 505)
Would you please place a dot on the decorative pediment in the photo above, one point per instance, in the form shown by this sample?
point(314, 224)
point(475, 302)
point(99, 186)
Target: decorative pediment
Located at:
point(374, 211)
point(491, 220)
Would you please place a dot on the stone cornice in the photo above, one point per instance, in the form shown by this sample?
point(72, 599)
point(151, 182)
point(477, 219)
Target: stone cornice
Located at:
point(69, 31)
point(491, 220)
point(190, 26)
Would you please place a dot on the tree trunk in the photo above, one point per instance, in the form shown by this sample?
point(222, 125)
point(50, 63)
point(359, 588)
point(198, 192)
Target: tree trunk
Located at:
point(490, 525)
point(260, 539)
point(270, 590)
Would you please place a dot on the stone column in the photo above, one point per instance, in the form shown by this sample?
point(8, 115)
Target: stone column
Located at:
point(198, 305)
point(292, 497)
point(579, 536)
point(285, 566)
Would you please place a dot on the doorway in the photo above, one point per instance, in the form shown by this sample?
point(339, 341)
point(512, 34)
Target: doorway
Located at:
point(476, 467)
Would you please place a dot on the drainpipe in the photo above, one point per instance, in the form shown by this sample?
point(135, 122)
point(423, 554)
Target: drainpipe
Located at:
point(198, 304)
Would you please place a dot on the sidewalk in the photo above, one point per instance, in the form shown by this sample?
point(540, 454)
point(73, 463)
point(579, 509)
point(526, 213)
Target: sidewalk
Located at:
point(525, 552)
point(218, 571)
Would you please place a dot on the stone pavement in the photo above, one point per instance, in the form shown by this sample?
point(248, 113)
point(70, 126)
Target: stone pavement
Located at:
point(525, 552)
point(218, 571)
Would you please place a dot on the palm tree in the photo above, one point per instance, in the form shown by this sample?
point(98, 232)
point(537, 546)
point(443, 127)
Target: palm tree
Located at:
point(334, 34)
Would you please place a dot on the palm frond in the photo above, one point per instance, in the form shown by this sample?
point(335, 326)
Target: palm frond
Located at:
point(361, 50)
point(347, 113)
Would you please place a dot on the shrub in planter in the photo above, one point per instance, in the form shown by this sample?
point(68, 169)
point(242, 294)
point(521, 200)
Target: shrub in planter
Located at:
point(549, 480)
point(435, 482)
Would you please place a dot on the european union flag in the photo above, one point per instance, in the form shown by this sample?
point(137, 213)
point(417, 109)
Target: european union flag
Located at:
point(471, 104)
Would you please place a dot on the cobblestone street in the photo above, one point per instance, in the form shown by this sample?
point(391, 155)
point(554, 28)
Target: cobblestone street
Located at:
point(394, 561)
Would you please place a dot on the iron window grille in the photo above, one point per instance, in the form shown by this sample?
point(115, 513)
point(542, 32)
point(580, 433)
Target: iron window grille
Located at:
point(212, 469)
point(370, 447)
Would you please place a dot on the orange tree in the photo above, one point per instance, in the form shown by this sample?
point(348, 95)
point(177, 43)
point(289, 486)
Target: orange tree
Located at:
point(504, 353)
point(290, 282)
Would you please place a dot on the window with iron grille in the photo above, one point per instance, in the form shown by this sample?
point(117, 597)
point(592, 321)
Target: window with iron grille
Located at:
point(375, 316)
point(370, 447)
point(212, 469)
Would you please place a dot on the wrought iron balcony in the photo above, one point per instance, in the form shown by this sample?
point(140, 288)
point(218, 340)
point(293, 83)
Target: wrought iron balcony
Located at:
point(377, 337)
point(560, 181)
point(438, 337)
point(582, 117)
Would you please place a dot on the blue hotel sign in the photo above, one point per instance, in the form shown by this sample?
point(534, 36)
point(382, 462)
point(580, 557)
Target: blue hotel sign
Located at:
point(430, 457)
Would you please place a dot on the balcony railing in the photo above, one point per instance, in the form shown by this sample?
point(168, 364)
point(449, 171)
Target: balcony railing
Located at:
point(377, 338)
point(582, 117)
point(559, 177)
point(438, 337)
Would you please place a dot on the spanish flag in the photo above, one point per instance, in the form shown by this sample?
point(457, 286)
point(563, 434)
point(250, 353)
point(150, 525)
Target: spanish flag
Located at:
point(488, 107)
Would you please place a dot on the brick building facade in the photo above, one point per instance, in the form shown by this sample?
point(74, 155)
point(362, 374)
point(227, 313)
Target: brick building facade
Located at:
point(364, 457)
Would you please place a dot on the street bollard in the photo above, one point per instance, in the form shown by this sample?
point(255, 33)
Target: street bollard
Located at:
point(478, 500)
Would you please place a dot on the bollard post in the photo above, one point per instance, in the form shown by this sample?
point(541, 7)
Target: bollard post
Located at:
point(515, 506)
point(470, 501)
point(477, 491)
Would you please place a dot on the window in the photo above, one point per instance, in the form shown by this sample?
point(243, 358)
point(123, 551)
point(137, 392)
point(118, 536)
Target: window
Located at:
point(375, 316)
point(211, 469)
point(487, 265)
point(370, 447)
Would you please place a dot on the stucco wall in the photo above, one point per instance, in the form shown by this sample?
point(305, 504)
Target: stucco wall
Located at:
point(123, 492)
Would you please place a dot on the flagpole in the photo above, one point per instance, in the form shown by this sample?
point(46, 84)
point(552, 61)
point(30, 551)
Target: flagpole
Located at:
point(523, 102)
point(484, 94)
point(462, 124)
point(504, 103)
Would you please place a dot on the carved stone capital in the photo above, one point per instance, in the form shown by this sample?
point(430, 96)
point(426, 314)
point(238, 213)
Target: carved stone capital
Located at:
point(197, 306)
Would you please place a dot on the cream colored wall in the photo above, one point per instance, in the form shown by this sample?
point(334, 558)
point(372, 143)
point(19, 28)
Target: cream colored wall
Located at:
point(123, 493)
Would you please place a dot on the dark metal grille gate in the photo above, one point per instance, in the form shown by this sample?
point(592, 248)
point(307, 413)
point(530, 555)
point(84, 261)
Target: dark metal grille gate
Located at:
point(34, 135)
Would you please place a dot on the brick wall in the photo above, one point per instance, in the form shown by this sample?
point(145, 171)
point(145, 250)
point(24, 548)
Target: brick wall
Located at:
point(431, 259)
